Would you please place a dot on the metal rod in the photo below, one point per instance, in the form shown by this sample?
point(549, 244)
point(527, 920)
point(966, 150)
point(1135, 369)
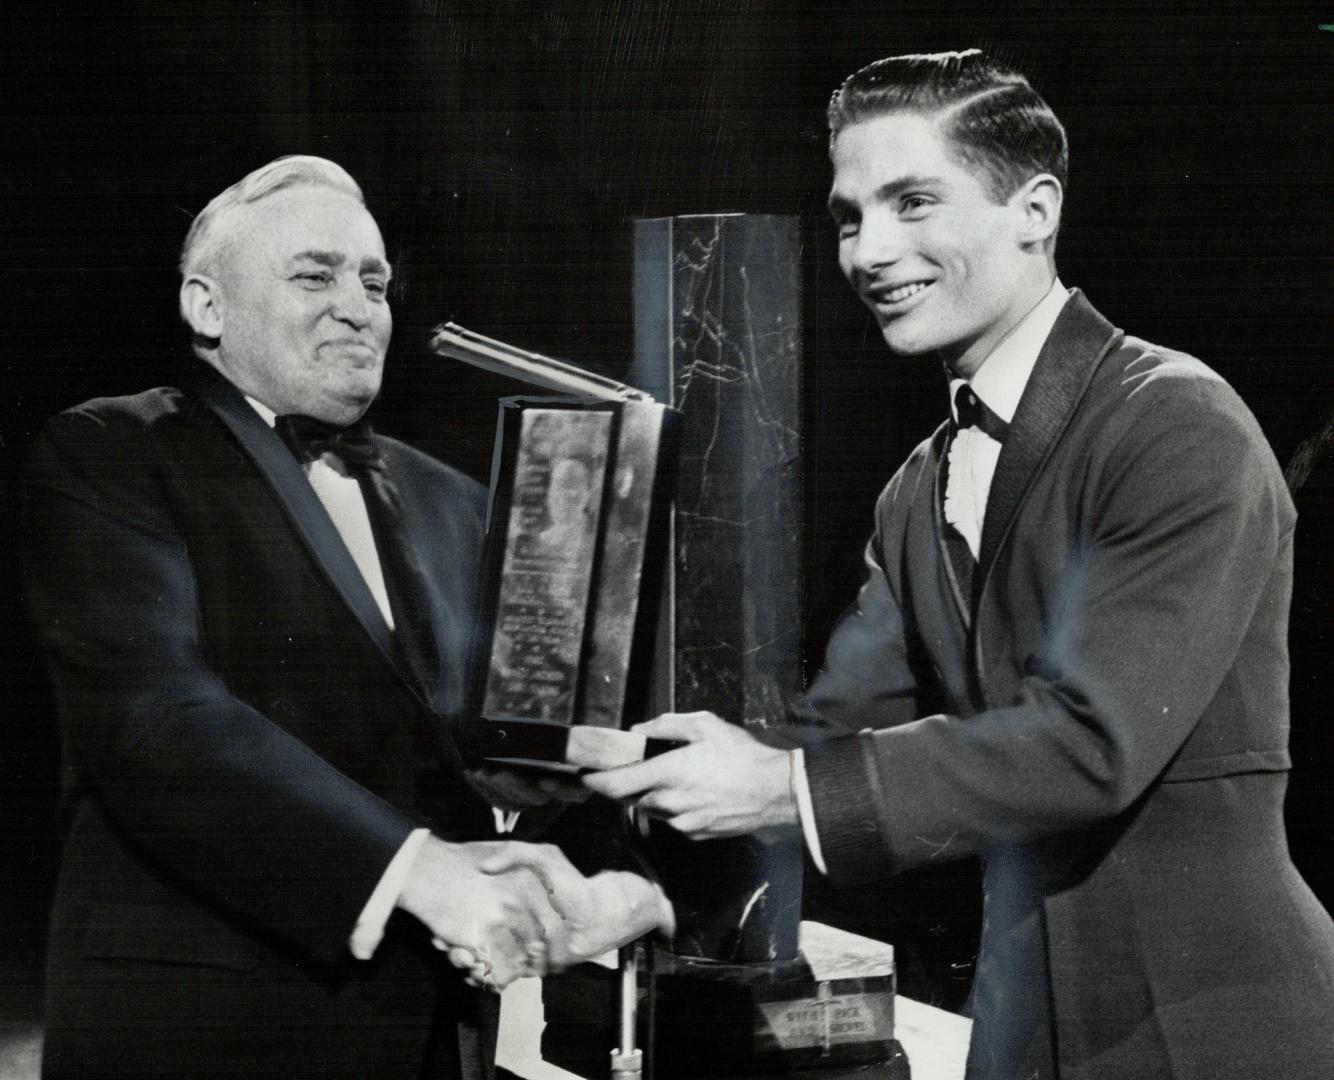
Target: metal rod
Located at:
point(502, 358)
point(627, 1060)
point(629, 995)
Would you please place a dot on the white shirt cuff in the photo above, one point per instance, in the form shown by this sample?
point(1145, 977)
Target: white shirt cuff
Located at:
point(801, 794)
point(369, 931)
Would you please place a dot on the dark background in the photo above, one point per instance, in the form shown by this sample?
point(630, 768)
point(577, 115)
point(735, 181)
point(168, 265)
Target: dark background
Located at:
point(505, 148)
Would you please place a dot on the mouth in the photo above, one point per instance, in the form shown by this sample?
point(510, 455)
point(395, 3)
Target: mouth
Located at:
point(352, 347)
point(893, 299)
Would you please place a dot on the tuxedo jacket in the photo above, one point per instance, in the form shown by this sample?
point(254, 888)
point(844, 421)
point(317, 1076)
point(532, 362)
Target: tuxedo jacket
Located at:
point(1102, 718)
point(244, 752)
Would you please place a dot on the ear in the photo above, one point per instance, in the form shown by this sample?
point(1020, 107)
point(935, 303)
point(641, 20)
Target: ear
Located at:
point(201, 305)
point(1039, 201)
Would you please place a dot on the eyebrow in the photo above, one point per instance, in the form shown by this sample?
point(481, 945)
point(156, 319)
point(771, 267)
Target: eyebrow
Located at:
point(334, 259)
point(839, 206)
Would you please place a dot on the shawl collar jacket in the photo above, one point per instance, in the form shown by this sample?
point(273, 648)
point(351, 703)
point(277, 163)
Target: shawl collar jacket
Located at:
point(244, 752)
point(1103, 720)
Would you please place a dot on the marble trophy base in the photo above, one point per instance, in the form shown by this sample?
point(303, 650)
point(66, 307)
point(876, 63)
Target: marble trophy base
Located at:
point(772, 1020)
point(827, 1015)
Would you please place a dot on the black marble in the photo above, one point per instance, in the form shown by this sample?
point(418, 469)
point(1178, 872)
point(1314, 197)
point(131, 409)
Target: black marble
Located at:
point(764, 1020)
point(713, 1021)
point(718, 336)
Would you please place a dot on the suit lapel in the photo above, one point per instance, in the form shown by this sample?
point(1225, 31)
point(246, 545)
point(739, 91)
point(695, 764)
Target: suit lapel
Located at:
point(303, 507)
point(1072, 352)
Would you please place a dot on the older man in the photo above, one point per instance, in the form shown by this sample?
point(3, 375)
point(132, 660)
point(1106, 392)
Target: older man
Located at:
point(256, 613)
point(1069, 656)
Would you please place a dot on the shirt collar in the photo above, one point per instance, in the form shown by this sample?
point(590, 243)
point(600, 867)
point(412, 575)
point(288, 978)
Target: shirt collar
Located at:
point(266, 414)
point(1002, 376)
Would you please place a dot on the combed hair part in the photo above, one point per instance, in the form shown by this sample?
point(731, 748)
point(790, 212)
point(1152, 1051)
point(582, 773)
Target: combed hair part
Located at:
point(992, 116)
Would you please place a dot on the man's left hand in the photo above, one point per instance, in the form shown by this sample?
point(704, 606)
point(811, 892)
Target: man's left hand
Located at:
point(725, 783)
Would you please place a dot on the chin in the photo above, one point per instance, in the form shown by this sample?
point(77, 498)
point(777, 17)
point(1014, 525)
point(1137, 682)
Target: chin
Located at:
point(344, 409)
point(355, 397)
point(905, 342)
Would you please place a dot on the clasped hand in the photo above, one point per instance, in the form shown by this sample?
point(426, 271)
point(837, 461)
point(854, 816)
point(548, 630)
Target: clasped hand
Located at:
point(505, 910)
point(725, 783)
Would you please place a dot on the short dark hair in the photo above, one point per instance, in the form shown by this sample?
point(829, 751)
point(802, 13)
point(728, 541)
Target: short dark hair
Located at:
point(994, 119)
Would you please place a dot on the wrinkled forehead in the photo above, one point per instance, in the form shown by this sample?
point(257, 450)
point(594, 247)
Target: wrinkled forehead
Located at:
point(299, 219)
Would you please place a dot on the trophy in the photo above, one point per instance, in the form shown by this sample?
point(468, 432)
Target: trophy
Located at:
point(578, 485)
point(645, 559)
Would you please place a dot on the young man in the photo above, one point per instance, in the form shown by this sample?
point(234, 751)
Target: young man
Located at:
point(257, 613)
point(1069, 656)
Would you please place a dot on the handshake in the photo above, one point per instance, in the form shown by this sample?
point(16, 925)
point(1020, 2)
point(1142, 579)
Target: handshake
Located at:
point(503, 910)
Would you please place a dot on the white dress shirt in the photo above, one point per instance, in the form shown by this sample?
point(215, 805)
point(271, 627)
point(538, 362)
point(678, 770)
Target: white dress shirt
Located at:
point(999, 382)
point(342, 498)
point(346, 505)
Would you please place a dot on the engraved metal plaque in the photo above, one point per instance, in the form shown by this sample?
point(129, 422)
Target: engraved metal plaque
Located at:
point(550, 546)
point(573, 526)
point(828, 1020)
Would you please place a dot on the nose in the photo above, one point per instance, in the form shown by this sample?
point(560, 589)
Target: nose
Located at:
point(878, 243)
point(351, 305)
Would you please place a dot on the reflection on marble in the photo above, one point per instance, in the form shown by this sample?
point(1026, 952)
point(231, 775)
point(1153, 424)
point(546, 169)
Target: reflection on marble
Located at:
point(718, 336)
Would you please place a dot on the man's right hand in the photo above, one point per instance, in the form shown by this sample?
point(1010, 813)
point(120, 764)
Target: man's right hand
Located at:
point(722, 782)
point(494, 925)
point(598, 913)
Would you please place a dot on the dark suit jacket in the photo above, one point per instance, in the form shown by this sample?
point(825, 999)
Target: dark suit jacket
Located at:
point(244, 754)
point(1112, 740)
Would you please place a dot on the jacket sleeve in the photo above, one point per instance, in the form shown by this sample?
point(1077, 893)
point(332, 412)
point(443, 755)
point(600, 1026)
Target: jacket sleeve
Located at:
point(868, 681)
point(1186, 552)
point(225, 803)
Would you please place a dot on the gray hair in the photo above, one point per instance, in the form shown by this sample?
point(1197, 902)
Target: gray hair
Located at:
point(209, 229)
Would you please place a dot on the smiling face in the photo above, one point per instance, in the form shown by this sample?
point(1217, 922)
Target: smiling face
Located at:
point(301, 294)
point(944, 268)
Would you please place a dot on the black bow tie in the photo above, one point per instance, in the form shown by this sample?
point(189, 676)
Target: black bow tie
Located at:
point(409, 588)
point(309, 438)
point(972, 411)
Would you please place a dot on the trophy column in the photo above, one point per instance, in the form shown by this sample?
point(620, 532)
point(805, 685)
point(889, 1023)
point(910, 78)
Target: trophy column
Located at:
point(718, 337)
